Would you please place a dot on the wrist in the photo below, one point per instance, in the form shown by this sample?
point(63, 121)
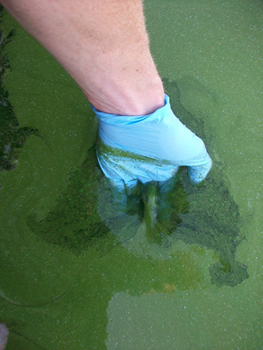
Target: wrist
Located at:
point(128, 101)
point(123, 82)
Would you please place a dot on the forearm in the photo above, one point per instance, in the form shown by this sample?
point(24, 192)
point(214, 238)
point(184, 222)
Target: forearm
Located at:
point(103, 45)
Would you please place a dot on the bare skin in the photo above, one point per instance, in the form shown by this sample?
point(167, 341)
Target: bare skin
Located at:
point(103, 44)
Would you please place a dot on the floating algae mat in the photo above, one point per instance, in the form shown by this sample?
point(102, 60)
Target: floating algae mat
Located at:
point(12, 136)
point(206, 216)
point(73, 223)
point(150, 218)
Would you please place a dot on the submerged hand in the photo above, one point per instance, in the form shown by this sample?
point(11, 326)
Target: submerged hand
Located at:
point(149, 148)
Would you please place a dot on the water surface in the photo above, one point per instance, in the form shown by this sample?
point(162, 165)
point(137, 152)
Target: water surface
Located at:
point(113, 289)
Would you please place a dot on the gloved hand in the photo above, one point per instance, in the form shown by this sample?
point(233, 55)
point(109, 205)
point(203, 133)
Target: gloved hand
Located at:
point(149, 148)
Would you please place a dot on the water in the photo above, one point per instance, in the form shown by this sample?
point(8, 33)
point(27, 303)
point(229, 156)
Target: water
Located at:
point(107, 291)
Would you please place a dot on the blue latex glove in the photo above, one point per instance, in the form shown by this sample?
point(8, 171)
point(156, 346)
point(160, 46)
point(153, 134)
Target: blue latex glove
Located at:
point(149, 148)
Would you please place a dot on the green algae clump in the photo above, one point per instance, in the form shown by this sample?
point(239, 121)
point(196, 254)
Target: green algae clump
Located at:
point(213, 219)
point(74, 224)
point(12, 136)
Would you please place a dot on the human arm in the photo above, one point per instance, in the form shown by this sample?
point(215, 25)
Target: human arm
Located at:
point(102, 44)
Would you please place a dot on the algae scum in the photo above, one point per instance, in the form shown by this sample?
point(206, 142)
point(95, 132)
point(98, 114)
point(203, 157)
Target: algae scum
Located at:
point(12, 136)
point(154, 216)
point(74, 223)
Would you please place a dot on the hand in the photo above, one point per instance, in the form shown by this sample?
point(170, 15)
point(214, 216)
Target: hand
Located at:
point(149, 148)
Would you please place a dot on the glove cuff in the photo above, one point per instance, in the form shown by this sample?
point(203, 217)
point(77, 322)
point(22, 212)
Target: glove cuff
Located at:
point(121, 120)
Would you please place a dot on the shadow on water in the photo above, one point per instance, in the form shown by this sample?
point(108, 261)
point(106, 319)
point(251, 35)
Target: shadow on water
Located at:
point(153, 216)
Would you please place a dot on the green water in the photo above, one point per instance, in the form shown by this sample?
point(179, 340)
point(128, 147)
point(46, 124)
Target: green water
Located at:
point(77, 275)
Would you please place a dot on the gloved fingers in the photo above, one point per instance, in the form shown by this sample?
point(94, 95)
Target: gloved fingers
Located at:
point(123, 165)
point(198, 172)
point(124, 168)
point(149, 148)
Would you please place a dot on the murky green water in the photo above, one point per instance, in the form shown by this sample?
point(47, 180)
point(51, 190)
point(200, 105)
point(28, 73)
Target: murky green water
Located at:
point(77, 273)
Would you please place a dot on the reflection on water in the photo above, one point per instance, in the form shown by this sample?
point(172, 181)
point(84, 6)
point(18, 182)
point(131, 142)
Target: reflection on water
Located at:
point(146, 215)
